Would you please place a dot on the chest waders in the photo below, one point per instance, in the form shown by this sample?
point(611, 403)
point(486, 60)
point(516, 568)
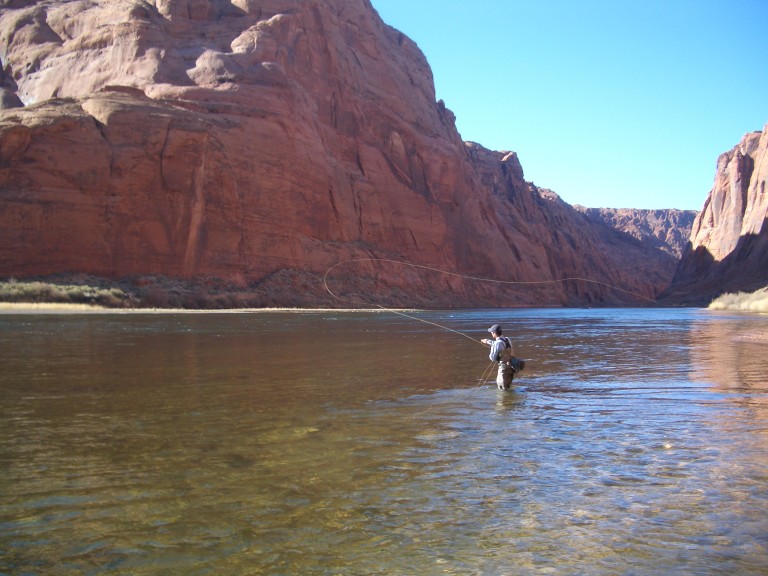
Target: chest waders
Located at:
point(506, 371)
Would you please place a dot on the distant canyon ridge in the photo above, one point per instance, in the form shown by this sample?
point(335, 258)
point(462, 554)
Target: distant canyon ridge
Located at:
point(296, 152)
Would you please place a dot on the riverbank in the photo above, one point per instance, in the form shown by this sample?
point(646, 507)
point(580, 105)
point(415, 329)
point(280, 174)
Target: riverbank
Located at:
point(86, 292)
point(743, 301)
point(32, 307)
point(61, 308)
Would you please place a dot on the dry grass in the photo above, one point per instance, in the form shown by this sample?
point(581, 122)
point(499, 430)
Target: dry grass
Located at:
point(748, 302)
point(15, 291)
point(284, 291)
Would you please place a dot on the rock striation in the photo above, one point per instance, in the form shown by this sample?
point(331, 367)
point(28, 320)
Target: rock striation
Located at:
point(728, 250)
point(262, 142)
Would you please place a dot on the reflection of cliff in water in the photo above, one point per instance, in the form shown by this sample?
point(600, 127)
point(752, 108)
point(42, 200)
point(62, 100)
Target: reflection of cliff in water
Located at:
point(730, 353)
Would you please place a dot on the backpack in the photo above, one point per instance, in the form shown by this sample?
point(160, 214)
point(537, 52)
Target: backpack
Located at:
point(516, 363)
point(507, 346)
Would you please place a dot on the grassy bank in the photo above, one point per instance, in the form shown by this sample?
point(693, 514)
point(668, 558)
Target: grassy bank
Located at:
point(749, 302)
point(15, 291)
point(157, 292)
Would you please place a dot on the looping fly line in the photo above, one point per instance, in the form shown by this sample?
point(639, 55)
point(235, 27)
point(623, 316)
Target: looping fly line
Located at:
point(488, 370)
point(398, 312)
point(457, 275)
point(477, 278)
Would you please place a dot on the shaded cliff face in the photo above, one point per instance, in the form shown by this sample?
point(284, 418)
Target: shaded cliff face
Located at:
point(544, 233)
point(668, 230)
point(728, 249)
point(251, 139)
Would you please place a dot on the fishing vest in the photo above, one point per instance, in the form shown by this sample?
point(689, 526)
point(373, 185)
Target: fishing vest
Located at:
point(504, 355)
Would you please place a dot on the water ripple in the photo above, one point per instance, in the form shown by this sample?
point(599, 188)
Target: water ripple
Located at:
point(635, 443)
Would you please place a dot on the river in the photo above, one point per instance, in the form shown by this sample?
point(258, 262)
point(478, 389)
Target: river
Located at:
point(324, 443)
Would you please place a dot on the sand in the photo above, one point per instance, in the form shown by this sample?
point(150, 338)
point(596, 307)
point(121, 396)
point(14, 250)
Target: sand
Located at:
point(59, 308)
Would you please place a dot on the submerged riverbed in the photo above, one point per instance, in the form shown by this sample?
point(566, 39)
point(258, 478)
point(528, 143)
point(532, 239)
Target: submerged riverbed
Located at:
point(371, 443)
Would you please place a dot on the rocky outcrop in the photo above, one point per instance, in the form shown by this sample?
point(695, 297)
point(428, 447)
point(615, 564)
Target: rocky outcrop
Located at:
point(262, 142)
point(728, 249)
point(545, 233)
point(667, 230)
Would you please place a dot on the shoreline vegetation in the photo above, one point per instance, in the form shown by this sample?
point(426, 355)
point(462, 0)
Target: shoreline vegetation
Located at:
point(142, 295)
point(39, 293)
point(756, 301)
point(54, 307)
point(79, 292)
point(158, 294)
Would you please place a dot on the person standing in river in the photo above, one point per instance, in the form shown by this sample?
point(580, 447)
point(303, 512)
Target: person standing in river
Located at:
point(501, 352)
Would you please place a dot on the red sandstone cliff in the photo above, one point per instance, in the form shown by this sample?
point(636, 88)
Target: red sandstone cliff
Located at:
point(261, 142)
point(728, 249)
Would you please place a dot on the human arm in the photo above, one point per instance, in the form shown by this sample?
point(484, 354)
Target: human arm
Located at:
point(496, 348)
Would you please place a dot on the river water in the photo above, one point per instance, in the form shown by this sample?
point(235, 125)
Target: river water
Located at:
point(323, 443)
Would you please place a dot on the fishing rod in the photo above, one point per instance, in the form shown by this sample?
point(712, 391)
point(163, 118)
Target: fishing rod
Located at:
point(399, 312)
point(488, 370)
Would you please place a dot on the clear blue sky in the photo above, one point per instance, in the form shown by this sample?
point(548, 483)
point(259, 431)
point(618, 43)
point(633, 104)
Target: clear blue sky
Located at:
point(610, 103)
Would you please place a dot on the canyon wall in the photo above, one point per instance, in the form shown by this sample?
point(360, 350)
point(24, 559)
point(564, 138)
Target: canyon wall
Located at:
point(668, 230)
point(728, 250)
point(262, 142)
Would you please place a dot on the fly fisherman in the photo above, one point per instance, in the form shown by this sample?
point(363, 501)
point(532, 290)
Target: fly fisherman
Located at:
point(501, 352)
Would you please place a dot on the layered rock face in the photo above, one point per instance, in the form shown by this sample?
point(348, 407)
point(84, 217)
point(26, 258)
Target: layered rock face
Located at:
point(263, 142)
point(728, 249)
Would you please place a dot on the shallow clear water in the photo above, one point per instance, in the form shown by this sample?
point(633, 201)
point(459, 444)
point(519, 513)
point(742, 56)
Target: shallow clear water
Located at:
point(369, 443)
